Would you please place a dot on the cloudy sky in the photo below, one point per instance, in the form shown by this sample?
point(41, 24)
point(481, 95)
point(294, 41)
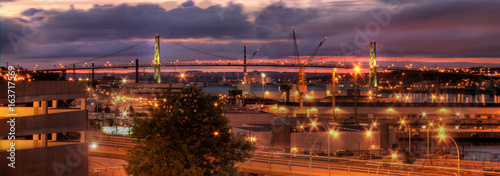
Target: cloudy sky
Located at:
point(453, 33)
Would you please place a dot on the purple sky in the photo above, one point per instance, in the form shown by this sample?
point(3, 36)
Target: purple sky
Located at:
point(451, 33)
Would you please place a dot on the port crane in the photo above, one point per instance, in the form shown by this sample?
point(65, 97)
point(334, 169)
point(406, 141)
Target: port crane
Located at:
point(301, 83)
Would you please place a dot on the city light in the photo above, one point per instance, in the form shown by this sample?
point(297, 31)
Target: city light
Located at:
point(442, 136)
point(94, 145)
point(368, 133)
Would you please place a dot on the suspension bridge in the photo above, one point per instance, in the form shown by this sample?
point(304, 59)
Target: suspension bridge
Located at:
point(178, 54)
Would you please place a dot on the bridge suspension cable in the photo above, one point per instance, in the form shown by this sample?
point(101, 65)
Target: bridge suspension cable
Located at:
point(110, 54)
point(198, 51)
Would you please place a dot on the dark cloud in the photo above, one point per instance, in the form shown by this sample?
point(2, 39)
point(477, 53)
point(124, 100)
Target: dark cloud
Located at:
point(423, 28)
point(123, 22)
point(105, 5)
point(187, 4)
point(278, 18)
point(448, 29)
point(30, 12)
point(397, 2)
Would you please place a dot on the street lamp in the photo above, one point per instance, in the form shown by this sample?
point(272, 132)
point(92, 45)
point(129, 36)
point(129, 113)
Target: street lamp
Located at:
point(369, 134)
point(432, 144)
point(263, 75)
point(314, 124)
point(442, 136)
point(393, 157)
point(335, 134)
point(403, 122)
point(356, 93)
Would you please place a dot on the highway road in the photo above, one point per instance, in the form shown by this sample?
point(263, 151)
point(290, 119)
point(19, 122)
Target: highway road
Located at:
point(293, 164)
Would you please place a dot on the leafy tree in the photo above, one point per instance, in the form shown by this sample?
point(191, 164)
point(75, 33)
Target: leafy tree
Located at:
point(131, 110)
point(98, 108)
point(107, 109)
point(186, 135)
point(45, 76)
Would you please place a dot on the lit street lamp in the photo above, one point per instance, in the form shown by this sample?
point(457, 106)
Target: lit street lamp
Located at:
point(314, 124)
point(393, 156)
point(356, 93)
point(263, 75)
point(369, 134)
point(403, 122)
point(442, 137)
point(334, 134)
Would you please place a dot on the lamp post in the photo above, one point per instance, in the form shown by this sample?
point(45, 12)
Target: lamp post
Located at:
point(333, 92)
point(369, 134)
point(355, 94)
point(334, 134)
point(263, 75)
point(442, 136)
point(313, 124)
point(393, 157)
point(428, 140)
point(403, 122)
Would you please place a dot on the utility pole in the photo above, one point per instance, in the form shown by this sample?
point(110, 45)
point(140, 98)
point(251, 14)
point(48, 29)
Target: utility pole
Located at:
point(333, 93)
point(93, 83)
point(136, 71)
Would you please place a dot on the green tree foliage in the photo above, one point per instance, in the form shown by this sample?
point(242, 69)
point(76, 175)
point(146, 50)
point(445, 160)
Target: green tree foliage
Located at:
point(131, 111)
point(186, 135)
point(45, 76)
point(107, 109)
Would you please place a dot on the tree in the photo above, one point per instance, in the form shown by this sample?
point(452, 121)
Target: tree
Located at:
point(131, 111)
point(107, 109)
point(186, 135)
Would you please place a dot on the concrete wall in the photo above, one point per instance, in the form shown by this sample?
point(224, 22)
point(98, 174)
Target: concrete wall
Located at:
point(262, 138)
point(346, 140)
point(43, 91)
point(391, 112)
point(20, 111)
point(238, 119)
point(47, 123)
point(48, 161)
point(281, 136)
point(20, 144)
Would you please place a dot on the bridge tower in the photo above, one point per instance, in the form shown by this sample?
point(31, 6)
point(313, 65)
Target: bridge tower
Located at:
point(156, 59)
point(244, 64)
point(373, 65)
